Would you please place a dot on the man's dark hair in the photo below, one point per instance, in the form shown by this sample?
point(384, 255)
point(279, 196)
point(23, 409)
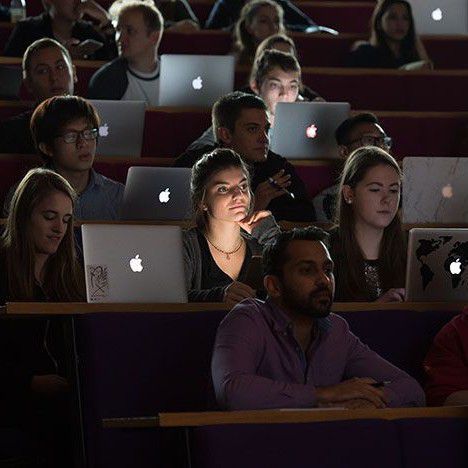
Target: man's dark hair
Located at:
point(271, 59)
point(227, 109)
point(274, 255)
point(346, 127)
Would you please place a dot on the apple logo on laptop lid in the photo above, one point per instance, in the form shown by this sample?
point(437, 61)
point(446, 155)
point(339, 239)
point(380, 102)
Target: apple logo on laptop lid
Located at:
point(164, 195)
point(197, 83)
point(311, 131)
point(135, 264)
point(437, 14)
point(104, 130)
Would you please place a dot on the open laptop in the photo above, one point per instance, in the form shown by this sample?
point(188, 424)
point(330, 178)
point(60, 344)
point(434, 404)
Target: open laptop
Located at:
point(157, 193)
point(435, 190)
point(437, 268)
point(442, 17)
point(306, 130)
point(121, 129)
point(195, 80)
point(11, 79)
point(133, 263)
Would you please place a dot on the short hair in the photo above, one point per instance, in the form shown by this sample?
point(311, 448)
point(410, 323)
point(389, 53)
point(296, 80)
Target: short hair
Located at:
point(275, 254)
point(227, 109)
point(269, 43)
point(347, 126)
point(55, 113)
point(41, 44)
point(151, 15)
point(271, 59)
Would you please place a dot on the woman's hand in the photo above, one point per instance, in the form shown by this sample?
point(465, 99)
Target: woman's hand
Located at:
point(249, 223)
point(237, 292)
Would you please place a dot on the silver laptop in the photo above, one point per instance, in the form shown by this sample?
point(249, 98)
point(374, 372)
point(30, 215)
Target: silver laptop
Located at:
point(437, 268)
point(435, 190)
point(10, 82)
point(195, 80)
point(442, 17)
point(121, 129)
point(133, 263)
point(157, 193)
point(306, 130)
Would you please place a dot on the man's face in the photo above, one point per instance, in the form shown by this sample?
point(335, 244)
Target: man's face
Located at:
point(67, 9)
point(365, 134)
point(50, 74)
point(133, 38)
point(250, 136)
point(279, 86)
point(307, 285)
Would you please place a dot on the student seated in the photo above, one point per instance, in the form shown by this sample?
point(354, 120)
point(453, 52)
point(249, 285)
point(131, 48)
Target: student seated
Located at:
point(47, 71)
point(241, 123)
point(360, 130)
point(65, 132)
point(62, 21)
point(290, 351)
point(218, 251)
point(367, 242)
point(446, 364)
point(134, 75)
point(394, 42)
point(225, 13)
point(38, 263)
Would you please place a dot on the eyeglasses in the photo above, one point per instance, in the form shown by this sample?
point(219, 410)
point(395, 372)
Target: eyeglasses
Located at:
point(369, 140)
point(72, 137)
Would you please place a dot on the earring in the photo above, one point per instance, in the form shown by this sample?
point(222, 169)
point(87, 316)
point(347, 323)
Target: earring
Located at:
point(349, 201)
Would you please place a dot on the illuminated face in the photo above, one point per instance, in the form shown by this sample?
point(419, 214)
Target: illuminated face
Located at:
point(366, 134)
point(264, 24)
point(50, 220)
point(396, 22)
point(227, 195)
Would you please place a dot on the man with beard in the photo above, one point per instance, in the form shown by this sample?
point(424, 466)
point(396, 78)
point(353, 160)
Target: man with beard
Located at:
point(291, 352)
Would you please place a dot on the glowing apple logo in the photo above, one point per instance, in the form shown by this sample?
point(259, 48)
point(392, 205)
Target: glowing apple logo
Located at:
point(164, 196)
point(455, 267)
point(447, 191)
point(135, 264)
point(437, 14)
point(197, 83)
point(104, 130)
point(311, 131)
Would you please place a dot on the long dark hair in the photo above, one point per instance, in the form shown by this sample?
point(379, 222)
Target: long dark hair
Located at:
point(348, 256)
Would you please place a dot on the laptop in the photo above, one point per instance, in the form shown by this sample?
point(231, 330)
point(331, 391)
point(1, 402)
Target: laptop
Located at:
point(11, 79)
point(437, 268)
point(435, 190)
point(306, 130)
point(442, 17)
point(157, 193)
point(121, 129)
point(195, 80)
point(133, 263)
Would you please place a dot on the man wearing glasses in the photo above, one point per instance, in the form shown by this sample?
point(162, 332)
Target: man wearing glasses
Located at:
point(65, 132)
point(353, 133)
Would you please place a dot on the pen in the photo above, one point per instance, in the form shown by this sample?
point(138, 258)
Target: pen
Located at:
point(273, 183)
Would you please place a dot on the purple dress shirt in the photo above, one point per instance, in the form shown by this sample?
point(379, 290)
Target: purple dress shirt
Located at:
point(257, 362)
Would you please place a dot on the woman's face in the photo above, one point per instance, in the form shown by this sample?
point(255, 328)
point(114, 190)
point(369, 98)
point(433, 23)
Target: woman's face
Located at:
point(264, 24)
point(227, 195)
point(376, 198)
point(396, 22)
point(50, 220)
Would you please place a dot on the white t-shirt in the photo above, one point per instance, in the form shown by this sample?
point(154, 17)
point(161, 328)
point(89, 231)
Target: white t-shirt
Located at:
point(143, 87)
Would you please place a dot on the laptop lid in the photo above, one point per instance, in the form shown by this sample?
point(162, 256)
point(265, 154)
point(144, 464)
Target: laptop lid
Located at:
point(435, 190)
point(133, 263)
point(442, 17)
point(306, 130)
point(11, 79)
point(157, 193)
point(195, 80)
point(121, 129)
point(437, 268)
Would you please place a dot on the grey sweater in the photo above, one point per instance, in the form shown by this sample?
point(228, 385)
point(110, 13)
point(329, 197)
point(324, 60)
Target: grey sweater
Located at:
point(262, 234)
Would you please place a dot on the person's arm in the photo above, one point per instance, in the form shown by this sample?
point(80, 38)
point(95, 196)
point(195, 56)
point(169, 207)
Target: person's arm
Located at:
point(402, 390)
point(224, 14)
point(17, 42)
point(294, 18)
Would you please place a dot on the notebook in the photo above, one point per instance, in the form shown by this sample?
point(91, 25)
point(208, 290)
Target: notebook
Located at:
point(195, 80)
point(437, 268)
point(306, 130)
point(157, 193)
point(133, 263)
point(11, 79)
point(121, 129)
point(435, 190)
point(443, 17)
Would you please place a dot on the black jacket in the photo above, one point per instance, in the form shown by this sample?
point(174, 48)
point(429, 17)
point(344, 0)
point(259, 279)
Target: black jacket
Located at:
point(15, 134)
point(284, 207)
point(110, 81)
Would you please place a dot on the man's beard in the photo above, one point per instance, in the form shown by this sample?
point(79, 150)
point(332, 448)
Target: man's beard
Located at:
point(308, 306)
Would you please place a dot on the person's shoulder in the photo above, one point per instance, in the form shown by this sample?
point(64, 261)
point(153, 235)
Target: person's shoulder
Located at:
point(118, 65)
point(108, 183)
point(190, 157)
point(31, 22)
point(17, 120)
point(362, 47)
point(250, 309)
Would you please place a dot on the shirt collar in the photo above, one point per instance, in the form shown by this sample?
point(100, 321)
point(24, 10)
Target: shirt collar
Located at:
point(95, 179)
